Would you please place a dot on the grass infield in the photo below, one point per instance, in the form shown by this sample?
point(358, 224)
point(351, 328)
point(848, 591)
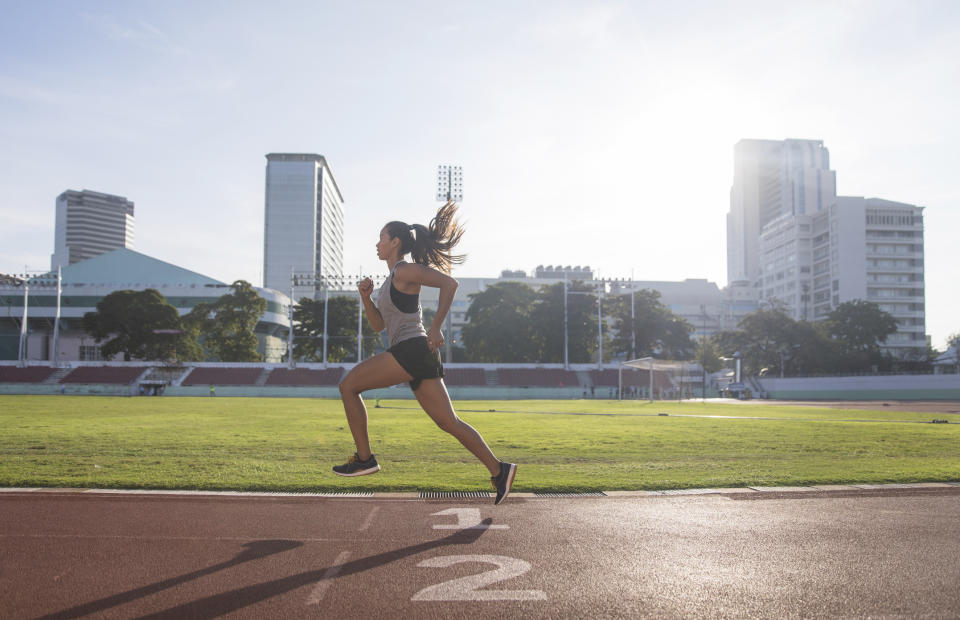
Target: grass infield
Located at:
point(286, 444)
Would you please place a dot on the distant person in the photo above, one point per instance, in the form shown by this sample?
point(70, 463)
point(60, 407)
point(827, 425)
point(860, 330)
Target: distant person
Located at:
point(413, 355)
point(213, 390)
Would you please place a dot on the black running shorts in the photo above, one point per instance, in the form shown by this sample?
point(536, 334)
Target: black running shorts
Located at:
point(415, 357)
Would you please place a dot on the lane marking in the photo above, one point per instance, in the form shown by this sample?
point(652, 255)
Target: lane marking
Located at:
point(468, 588)
point(320, 590)
point(369, 519)
point(467, 519)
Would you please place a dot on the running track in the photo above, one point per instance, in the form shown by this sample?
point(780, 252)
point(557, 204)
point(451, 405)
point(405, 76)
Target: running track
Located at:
point(835, 552)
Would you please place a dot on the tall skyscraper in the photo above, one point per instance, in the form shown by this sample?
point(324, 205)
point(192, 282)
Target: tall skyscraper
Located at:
point(772, 178)
point(89, 224)
point(303, 223)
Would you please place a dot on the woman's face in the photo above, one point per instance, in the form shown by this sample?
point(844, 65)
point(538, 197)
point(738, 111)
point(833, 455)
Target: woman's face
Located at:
point(384, 245)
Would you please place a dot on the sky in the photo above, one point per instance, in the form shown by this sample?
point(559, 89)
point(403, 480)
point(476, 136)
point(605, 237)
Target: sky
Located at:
point(590, 133)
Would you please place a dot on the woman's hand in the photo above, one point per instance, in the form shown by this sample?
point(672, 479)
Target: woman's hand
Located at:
point(434, 338)
point(365, 287)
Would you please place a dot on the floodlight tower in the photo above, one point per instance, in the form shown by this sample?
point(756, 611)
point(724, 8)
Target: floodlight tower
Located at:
point(450, 183)
point(449, 188)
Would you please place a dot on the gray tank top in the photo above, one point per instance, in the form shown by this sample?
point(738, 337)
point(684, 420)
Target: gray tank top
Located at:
point(400, 325)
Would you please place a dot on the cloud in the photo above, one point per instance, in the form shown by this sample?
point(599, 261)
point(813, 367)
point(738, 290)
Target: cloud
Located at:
point(139, 33)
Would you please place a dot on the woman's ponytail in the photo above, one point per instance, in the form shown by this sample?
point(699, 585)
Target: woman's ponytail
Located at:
point(432, 245)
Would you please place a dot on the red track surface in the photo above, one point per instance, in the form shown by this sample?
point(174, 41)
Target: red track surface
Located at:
point(71, 555)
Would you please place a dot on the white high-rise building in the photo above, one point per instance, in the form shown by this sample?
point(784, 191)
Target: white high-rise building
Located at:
point(89, 224)
point(772, 178)
point(856, 248)
point(303, 223)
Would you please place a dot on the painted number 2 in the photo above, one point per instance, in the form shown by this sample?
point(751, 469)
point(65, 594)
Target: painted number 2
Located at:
point(467, 588)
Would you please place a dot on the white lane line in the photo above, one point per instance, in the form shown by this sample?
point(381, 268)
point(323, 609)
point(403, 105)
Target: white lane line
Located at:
point(369, 519)
point(467, 519)
point(324, 584)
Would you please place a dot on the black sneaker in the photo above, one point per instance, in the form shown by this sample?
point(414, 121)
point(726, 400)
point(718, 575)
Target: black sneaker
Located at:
point(356, 467)
point(503, 481)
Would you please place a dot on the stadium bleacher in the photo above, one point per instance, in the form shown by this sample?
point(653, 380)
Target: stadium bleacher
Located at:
point(222, 376)
point(464, 376)
point(30, 374)
point(120, 375)
point(304, 376)
point(537, 377)
point(609, 377)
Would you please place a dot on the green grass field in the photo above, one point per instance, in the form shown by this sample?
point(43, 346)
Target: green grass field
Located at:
point(288, 444)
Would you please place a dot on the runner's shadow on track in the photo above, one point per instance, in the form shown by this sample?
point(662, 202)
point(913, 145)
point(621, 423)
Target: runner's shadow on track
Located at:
point(226, 602)
point(253, 551)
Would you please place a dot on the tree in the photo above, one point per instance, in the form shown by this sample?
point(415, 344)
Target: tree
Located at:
point(228, 325)
point(858, 328)
point(767, 338)
point(140, 325)
point(707, 356)
point(500, 327)
point(341, 331)
point(547, 323)
point(657, 329)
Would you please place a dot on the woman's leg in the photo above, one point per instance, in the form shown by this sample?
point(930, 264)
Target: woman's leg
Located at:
point(433, 397)
point(379, 371)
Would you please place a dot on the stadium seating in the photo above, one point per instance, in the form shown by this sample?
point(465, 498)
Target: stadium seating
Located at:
point(304, 376)
point(464, 376)
point(537, 377)
point(609, 377)
point(222, 376)
point(30, 374)
point(120, 375)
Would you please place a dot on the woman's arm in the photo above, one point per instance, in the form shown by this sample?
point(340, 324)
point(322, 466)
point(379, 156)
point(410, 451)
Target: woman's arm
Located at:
point(365, 287)
point(413, 274)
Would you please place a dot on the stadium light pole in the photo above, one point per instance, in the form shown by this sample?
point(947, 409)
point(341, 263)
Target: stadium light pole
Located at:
point(599, 325)
point(56, 320)
point(22, 352)
point(326, 298)
point(360, 323)
point(703, 353)
point(293, 282)
point(566, 354)
point(449, 187)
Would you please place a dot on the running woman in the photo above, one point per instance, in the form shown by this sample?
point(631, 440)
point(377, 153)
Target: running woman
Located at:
point(414, 354)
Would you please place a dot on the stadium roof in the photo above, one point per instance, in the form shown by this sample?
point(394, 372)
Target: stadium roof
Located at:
point(127, 267)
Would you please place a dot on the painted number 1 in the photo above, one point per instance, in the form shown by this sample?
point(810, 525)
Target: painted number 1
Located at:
point(467, 588)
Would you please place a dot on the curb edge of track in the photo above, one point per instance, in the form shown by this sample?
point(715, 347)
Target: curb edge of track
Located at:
point(458, 495)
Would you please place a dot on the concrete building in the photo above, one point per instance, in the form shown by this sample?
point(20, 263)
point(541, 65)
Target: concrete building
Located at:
point(87, 282)
point(772, 178)
point(303, 221)
point(787, 264)
point(88, 224)
point(857, 248)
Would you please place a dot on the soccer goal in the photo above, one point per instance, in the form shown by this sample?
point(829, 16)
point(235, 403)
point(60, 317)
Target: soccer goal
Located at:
point(657, 379)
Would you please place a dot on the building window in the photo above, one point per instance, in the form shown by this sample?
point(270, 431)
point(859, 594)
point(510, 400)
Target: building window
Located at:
point(90, 353)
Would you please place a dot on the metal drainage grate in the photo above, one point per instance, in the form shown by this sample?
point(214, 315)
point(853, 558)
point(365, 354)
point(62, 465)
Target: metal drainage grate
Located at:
point(453, 494)
point(312, 494)
point(590, 494)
